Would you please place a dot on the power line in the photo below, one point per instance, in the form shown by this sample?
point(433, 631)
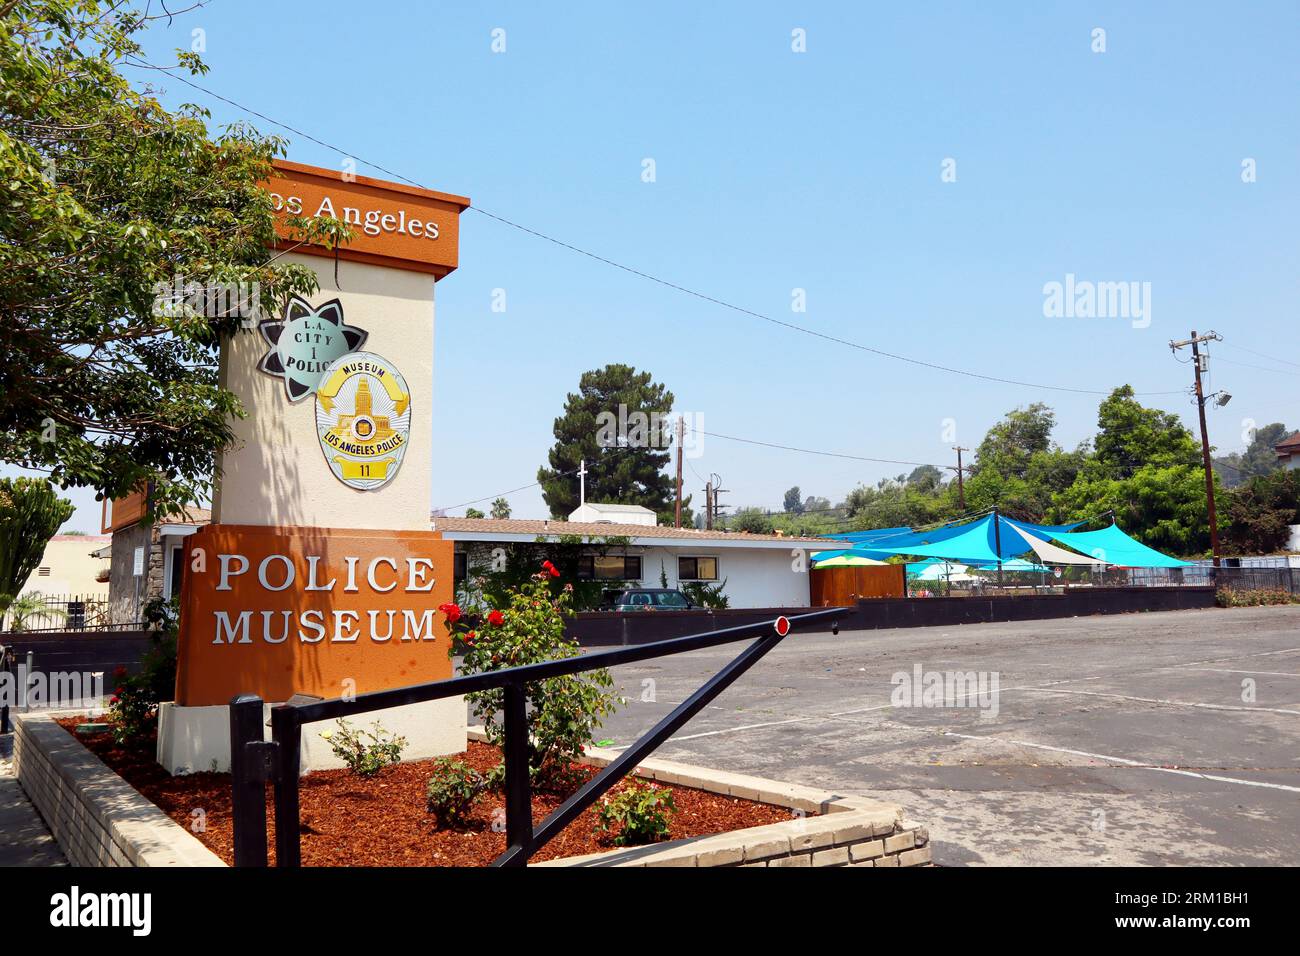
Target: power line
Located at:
point(811, 451)
point(1263, 355)
point(848, 343)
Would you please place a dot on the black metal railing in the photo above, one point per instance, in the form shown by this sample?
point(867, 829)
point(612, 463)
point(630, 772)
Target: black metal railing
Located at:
point(254, 760)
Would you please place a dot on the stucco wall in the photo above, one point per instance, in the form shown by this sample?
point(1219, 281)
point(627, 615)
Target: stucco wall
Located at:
point(755, 577)
point(276, 473)
point(72, 569)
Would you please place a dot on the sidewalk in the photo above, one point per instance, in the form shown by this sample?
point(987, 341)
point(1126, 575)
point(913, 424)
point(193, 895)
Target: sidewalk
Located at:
point(24, 840)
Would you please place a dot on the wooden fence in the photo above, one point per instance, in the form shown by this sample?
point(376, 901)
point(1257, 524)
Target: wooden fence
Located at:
point(843, 587)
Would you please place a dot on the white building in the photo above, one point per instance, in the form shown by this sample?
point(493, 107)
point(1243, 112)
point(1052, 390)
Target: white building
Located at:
point(1288, 451)
point(614, 514)
point(760, 570)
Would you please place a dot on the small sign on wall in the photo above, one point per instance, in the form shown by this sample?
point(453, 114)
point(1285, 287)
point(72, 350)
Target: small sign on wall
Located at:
point(139, 562)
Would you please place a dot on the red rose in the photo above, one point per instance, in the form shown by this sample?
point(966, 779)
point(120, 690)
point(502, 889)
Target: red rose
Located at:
point(469, 638)
point(452, 611)
point(550, 569)
point(496, 618)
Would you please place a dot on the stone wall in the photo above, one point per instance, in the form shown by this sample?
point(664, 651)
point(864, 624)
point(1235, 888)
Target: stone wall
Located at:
point(97, 817)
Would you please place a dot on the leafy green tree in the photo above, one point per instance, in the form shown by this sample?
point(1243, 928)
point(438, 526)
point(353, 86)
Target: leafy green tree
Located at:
point(1162, 506)
point(1259, 513)
point(1008, 445)
point(473, 513)
point(751, 521)
point(30, 514)
point(925, 478)
point(617, 422)
point(1131, 436)
point(793, 501)
point(500, 508)
point(105, 197)
point(1259, 458)
point(815, 504)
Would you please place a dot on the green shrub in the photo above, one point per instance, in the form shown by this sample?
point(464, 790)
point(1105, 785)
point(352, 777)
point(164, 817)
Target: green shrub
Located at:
point(133, 708)
point(703, 594)
point(562, 712)
point(453, 790)
point(1254, 597)
point(365, 752)
point(639, 813)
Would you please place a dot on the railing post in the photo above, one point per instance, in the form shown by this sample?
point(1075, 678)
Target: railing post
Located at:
point(248, 780)
point(519, 805)
point(286, 731)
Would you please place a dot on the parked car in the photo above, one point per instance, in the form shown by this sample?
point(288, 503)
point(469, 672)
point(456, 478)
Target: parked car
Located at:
point(647, 599)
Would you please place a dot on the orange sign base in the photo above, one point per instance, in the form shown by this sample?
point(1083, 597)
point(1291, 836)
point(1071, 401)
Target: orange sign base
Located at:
point(322, 611)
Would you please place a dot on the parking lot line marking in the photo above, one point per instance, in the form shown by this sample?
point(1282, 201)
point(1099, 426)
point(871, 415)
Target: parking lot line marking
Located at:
point(1124, 761)
point(1221, 670)
point(1238, 657)
point(1161, 700)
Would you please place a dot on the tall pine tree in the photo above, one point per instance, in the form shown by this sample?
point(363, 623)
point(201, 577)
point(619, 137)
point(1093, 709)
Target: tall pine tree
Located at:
point(619, 422)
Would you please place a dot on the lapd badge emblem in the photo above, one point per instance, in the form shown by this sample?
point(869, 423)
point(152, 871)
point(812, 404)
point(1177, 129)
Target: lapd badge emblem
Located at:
point(305, 342)
point(363, 418)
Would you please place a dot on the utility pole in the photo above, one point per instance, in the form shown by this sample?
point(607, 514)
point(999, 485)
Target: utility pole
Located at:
point(997, 542)
point(708, 506)
point(681, 430)
point(961, 487)
point(1199, 364)
point(717, 489)
point(582, 482)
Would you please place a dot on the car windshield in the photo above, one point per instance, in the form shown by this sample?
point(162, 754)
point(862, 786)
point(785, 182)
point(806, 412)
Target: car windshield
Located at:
point(669, 599)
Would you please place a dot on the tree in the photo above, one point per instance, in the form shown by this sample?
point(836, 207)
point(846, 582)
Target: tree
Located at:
point(473, 513)
point(925, 478)
point(500, 508)
point(1259, 514)
point(106, 197)
point(1008, 445)
point(618, 423)
point(793, 501)
point(30, 514)
point(750, 521)
point(1131, 436)
point(1259, 458)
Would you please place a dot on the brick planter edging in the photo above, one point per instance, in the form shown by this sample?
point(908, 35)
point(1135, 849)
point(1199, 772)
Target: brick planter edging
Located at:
point(97, 818)
point(849, 831)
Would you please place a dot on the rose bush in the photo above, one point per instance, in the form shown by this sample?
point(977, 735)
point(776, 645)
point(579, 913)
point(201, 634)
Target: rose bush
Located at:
point(563, 712)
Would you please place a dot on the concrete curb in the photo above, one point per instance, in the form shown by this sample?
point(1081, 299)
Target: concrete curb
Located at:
point(849, 830)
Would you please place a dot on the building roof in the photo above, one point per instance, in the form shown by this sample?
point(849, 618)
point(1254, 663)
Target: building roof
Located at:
point(617, 509)
point(487, 529)
point(1289, 445)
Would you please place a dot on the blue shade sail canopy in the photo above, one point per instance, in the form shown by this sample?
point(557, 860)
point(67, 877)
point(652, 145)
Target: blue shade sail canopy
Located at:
point(1115, 547)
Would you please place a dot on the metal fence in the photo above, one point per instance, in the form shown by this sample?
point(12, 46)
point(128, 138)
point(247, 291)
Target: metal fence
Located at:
point(56, 612)
point(1223, 578)
point(254, 760)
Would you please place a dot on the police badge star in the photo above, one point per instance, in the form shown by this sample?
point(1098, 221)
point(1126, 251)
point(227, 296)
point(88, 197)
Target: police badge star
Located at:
point(305, 342)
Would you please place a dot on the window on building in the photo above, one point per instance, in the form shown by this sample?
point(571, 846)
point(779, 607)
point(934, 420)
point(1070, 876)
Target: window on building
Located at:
point(610, 567)
point(178, 571)
point(697, 569)
point(460, 566)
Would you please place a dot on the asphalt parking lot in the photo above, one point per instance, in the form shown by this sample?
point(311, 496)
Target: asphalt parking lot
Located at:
point(1150, 739)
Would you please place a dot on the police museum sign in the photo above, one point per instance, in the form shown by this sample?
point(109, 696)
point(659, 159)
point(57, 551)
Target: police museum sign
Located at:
point(311, 611)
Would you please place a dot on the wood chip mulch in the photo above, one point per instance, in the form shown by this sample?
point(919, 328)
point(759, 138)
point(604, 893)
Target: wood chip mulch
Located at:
point(382, 821)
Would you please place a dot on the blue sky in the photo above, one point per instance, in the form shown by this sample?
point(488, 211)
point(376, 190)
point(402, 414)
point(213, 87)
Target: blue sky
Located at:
point(820, 170)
